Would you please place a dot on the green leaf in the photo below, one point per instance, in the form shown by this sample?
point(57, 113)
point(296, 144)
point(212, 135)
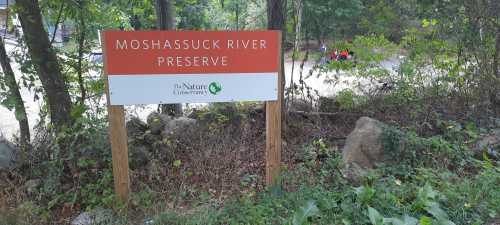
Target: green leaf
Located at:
point(424, 220)
point(427, 193)
point(395, 221)
point(9, 102)
point(364, 194)
point(435, 210)
point(406, 220)
point(425, 23)
point(346, 222)
point(445, 222)
point(375, 217)
point(304, 212)
point(177, 163)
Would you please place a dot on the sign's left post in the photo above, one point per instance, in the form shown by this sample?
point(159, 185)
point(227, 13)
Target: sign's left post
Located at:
point(117, 137)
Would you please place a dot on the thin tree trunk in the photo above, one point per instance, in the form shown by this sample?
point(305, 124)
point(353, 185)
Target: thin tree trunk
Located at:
point(81, 49)
point(496, 58)
point(318, 33)
point(11, 83)
point(165, 21)
point(298, 28)
point(237, 16)
point(46, 63)
point(296, 44)
point(58, 20)
point(494, 96)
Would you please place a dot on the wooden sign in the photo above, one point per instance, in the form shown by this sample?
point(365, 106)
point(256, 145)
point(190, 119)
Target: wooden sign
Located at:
point(157, 67)
point(160, 67)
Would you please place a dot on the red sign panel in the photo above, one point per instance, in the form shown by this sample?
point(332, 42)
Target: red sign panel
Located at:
point(190, 52)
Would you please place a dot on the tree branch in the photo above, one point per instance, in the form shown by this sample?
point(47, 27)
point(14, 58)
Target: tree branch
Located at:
point(58, 20)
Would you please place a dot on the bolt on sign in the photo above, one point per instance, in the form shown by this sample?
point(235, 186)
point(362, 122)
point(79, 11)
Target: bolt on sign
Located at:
point(161, 67)
point(153, 67)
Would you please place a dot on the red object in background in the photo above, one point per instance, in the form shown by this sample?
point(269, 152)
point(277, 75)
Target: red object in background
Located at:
point(344, 54)
point(333, 55)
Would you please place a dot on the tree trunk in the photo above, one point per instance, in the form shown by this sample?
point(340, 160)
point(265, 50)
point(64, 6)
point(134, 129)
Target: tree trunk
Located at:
point(276, 21)
point(297, 22)
point(164, 14)
point(496, 59)
point(46, 63)
point(81, 49)
point(276, 14)
point(298, 28)
point(317, 33)
point(237, 14)
point(494, 96)
point(14, 93)
point(165, 21)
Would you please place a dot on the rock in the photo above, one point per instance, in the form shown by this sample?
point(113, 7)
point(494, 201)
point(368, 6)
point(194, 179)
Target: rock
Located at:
point(8, 157)
point(96, 216)
point(83, 219)
point(363, 149)
point(489, 143)
point(178, 125)
point(364, 145)
point(32, 185)
point(157, 122)
point(136, 127)
point(194, 114)
point(139, 156)
point(328, 104)
point(300, 104)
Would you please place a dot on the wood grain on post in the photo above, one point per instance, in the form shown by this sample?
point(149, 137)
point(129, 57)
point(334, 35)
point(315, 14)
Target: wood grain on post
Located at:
point(119, 151)
point(273, 129)
point(118, 139)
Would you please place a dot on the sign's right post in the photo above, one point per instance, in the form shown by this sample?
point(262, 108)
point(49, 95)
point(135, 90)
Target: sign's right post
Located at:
point(273, 129)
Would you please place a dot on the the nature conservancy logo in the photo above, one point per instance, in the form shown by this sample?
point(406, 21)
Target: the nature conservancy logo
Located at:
point(214, 88)
point(191, 89)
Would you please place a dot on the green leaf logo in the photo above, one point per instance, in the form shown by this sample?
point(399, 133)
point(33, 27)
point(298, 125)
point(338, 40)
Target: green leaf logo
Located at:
point(214, 88)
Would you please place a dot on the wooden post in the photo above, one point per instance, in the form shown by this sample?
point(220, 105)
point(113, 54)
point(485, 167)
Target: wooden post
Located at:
point(273, 129)
point(119, 151)
point(118, 139)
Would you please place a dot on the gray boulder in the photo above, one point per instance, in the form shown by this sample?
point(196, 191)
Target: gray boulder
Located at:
point(489, 143)
point(138, 155)
point(363, 148)
point(8, 156)
point(84, 218)
point(97, 216)
point(300, 104)
point(178, 125)
point(136, 127)
point(157, 121)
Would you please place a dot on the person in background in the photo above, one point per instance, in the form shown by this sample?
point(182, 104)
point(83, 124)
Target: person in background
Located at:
point(324, 58)
point(343, 55)
point(323, 49)
point(334, 55)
